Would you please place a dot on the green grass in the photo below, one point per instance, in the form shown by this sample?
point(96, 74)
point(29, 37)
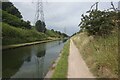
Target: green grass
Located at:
point(62, 66)
point(13, 35)
point(11, 19)
point(52, 34)
point(15, 32)
point(100, 54)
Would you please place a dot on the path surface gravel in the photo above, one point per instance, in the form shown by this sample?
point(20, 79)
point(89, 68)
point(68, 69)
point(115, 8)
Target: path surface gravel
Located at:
point(77, 68)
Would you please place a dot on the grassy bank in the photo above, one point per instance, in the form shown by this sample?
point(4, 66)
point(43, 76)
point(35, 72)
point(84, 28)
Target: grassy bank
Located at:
point(13, 35)
point(51, 33)
point(62, 65)
point(16, 31)
point(100, 54)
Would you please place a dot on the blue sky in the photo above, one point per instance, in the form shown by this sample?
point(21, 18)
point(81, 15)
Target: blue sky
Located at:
point(59, 15)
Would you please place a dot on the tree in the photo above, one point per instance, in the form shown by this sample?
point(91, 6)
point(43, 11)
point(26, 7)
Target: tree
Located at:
point(26, 24)
point(97, 22)
point(52, 30)
point(40, 26)
point(10, 8)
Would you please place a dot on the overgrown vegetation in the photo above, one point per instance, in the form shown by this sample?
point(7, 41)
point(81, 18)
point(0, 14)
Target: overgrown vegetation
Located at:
point(97, 41)
point(14, 21)
point(100, 23)
point(16, 30)
point(13, 35)
point(57, 34)
point(11, 9)
point(62, 66)
point(100, 54)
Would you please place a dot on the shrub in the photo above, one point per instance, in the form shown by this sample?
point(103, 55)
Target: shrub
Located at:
point(98, 22)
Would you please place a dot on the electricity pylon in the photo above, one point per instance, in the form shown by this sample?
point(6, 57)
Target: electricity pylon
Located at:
point(39, 11)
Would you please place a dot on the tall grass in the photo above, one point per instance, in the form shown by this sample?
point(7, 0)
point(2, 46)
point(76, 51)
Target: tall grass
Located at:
point(100, 54)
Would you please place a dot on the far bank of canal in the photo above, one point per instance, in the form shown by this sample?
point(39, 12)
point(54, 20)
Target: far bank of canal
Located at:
point(30, 61)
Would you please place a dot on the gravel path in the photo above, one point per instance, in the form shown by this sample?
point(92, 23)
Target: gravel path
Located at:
point(77, 68)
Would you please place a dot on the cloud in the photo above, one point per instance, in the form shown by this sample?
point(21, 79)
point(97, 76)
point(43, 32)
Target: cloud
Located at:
point(65, 15)
point(59, 15)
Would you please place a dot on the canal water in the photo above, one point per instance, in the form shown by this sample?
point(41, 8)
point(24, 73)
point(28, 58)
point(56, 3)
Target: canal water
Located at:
point(31, 61)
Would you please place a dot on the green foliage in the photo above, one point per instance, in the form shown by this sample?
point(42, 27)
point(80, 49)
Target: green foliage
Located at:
point(100, 54)
point(26, 24)
point(14, 21)
point(10, 8)
point(16, 30)
point(98, 22)
point(64, 35)
point(51, 33)
point(62, 66)
point(11, 19)
point(13, 35)
point(40, 26)
point(11, 15)
point(57, 34)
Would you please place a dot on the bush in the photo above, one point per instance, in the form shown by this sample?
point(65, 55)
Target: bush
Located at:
point(98, 22)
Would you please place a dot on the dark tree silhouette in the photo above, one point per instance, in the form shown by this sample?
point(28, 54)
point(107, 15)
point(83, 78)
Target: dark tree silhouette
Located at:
point(10, 8)
point(40, 26)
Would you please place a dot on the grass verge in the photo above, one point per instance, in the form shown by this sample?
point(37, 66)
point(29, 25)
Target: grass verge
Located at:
point(62, 66)
point(100, 54)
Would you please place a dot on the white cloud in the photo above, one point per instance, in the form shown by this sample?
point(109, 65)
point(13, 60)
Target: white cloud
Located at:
point(59, 14)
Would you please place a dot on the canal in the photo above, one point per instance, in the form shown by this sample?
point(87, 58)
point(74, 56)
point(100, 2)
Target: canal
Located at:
point(30, 61)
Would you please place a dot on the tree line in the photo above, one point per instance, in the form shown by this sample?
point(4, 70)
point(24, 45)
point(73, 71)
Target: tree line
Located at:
point(100, 23)
point(12, 16)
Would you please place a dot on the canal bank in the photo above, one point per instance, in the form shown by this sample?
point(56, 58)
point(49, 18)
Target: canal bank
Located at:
point(30, 61)
point(26, 44)
point(59, 68)
point(52, 68)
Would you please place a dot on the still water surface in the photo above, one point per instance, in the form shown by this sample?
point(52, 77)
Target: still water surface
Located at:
point(30, 61)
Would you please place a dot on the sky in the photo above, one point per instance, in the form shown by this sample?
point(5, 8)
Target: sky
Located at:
point(60, 16)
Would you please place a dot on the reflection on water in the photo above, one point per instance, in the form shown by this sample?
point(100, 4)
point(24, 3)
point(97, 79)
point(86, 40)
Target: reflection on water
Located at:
point(30, 61)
